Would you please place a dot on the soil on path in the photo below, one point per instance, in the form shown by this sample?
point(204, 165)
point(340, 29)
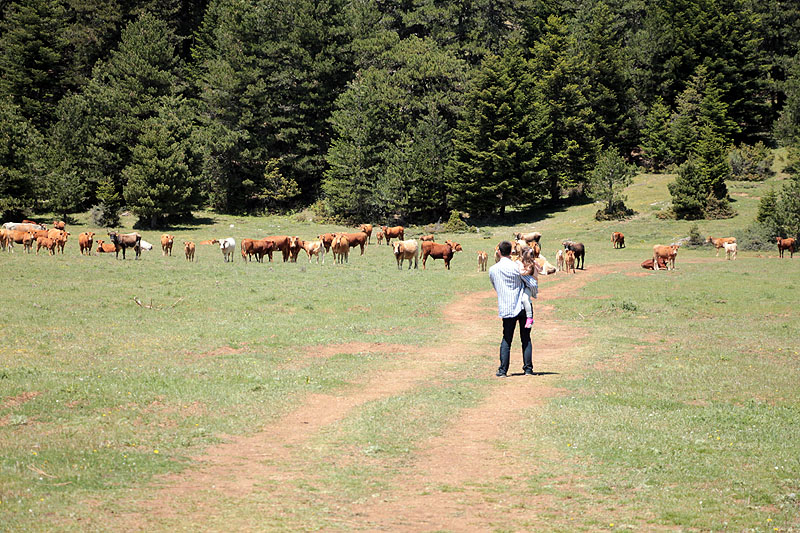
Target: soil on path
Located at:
point(465, 456)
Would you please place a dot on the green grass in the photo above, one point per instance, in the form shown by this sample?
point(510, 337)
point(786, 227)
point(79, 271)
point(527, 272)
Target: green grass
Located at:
point(686, 389)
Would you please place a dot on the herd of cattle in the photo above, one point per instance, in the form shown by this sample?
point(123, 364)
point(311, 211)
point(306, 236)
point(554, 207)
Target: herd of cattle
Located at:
point(29, 233)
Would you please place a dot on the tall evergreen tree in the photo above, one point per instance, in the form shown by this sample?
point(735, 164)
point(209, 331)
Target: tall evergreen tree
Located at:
point(20, 161)
point(654, 138)
point(497, 144)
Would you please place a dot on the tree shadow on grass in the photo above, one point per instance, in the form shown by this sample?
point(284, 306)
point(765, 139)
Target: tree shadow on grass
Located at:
point(533, 213)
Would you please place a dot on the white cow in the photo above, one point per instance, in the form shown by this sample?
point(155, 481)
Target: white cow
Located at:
point(406, 250)
point(730, 250)
point(228, 246)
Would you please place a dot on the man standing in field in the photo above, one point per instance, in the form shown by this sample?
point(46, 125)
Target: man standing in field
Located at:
point(508, 284)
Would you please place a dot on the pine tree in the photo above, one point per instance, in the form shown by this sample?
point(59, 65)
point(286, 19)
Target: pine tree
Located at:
point(655, 144)
point(609, 178)
point(497, 147)
point(159, 181)
point(688, 195)
point(20, 161)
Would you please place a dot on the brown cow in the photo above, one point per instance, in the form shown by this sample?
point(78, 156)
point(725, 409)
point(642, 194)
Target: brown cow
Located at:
point(569, 261)
point(295, 245)
point(327, 240)
point(341, 248)
point(5, 240)
point(406, 250)
point(60, 237)
point(166, 244)
point(48, 243)
point(85, 241)
point(720, 242)
point(439, 251)
point(667, 253)
point(41, 233)
point(618, 240)
point(380, 237)
point(105, 247)
point(396, 232)
point(367, 228)
point(123, 241)
point(188, 250)
point(59, 224)
point(427, 238)
point(257, 248)
point(648, 265)
point(281, 243)
point(786, 244)
point(25, 238)
point(483, 258)
point(533, 236)
point(357, 239)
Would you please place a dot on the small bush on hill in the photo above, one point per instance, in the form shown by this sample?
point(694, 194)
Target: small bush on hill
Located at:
point(617, 211)
point(756, 237)
point(695, 239)
point(456, 224)
point(751, 163)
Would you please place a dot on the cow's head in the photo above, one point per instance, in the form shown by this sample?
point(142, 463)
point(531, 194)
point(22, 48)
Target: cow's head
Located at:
point(397, 246)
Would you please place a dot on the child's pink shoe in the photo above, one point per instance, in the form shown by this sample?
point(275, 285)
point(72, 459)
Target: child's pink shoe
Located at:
point(529, 322)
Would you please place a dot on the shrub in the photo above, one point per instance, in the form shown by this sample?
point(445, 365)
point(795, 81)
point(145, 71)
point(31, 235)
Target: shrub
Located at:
point(695, 239)
point(751, 163)
point(617, 211)
point(455, 224)
point(101, 215)
point(756, 237)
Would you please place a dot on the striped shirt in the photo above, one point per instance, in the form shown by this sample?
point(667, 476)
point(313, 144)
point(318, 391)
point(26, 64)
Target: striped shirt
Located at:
point(508, 284)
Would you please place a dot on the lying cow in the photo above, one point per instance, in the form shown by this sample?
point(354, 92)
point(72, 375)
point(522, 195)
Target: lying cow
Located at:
point(188, 250)
point(427, 238)
point(648, 265)
point(85, 241)
point(618, 240)
point(395, 232)
point(547, 269)
point(667, 253)
point(105, 247)
point(125, 241)
point(439, 251)
point(720, 242)
point(406, 250)
point(786, 244)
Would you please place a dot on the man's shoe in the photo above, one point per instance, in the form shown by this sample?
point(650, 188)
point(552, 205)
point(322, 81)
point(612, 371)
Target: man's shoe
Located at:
point(529, 373)
point(501, 374)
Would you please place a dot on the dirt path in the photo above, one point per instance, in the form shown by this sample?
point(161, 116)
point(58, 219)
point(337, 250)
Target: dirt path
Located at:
point(465, 456)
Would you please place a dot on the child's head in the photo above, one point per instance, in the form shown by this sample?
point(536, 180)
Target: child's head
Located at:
point(528, 256)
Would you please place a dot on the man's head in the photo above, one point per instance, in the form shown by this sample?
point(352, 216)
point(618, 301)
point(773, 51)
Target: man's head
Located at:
point(504, 248)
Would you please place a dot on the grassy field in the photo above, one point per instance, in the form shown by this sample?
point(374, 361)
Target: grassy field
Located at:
point(684, 413)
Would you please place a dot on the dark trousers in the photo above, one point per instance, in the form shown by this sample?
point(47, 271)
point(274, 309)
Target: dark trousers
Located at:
point(509, 324)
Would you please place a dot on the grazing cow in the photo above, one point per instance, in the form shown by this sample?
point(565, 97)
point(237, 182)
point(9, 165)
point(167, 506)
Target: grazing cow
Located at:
point(367, 228)
point(47, 243)
point(618, 240)
point(105, 247)
point(786, 244)
point(313, 248)
point(396, 232)
point(648, 265)
point(579, 250)
point(380, 237)
point(23, 226)
point(357, 239)
point(341, 249)
point(125, 241)
point(720, 242)
point(166, 244)
point(59, 224)
point(439, 251)
point(188, 250)
point(560, 261)
point(295, 245)
point(227, 246)
point(406, 250)
point(85, 241)
point(730, 250)
point(533, 236)
point(427, 238)
point(483, 258)
point(667, 253)
point(281, 243)
point(569, 260)
point(327, 240)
